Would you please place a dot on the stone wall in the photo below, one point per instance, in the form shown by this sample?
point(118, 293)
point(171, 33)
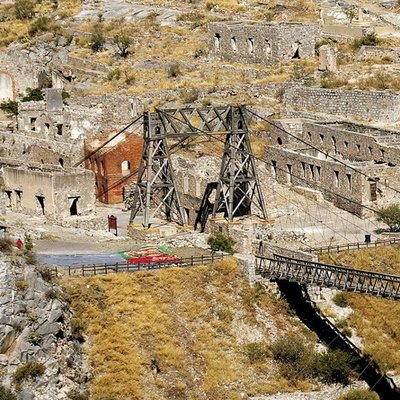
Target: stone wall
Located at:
point(378, 106)
point(267, 43)
point(192, 179)
point(48, 191)
point(389, 53)
point(341, 184)
point(354, 142)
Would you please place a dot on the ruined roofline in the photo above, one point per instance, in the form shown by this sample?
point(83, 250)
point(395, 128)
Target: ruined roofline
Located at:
point(262, 24)
point(46, 168)
point(388, 137)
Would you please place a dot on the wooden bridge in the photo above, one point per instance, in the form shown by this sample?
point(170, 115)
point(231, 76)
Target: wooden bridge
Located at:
point(310, 272)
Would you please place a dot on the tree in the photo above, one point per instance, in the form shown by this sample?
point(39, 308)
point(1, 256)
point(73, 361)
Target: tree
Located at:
point(351, 13)
point(24, 9)
point(33, 95)
point(10, 107)
point(97, 40)
point(220, 242)
point(123, 42)
point(390, 215)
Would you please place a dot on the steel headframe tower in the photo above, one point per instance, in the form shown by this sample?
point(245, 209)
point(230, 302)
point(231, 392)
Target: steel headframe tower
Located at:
point(156, 182)
point(238, 185)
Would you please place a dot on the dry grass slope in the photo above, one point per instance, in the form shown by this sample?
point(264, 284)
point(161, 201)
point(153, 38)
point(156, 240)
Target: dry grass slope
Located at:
point(194, 324)
point(375, 320)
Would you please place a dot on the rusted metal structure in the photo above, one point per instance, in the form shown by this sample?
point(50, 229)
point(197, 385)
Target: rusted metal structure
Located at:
point(238, 187)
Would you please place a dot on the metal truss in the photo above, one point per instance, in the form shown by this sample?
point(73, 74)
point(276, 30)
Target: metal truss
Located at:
point(314, 273)
point(156, 184)
point(238, 185)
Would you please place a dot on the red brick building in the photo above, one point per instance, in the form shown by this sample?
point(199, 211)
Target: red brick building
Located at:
point(115, 165)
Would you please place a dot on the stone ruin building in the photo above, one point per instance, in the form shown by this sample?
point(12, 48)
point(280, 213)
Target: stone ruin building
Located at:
point(368, 161)
point(262, 43)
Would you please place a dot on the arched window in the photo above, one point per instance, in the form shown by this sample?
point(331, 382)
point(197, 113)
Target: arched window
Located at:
point(217, 41)
point(250, 45)
point(233, 43)
point(125, 167)
point(61, 162)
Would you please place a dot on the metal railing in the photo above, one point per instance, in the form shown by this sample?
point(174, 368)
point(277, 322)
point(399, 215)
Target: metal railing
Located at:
point(109, 268)
point(352, 246)
point(342, 278)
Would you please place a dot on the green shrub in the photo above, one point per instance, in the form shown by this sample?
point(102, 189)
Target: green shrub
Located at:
point(31, 369)
point(369, 39)
point(220, 242)
point(334, 367)
point(6, 394)
point(257, 351)
point(24, 9)
point(189, 95)
point(295, 355)
point(35, 338)
point(21, 285)
point(340, 299)
point(173, 70)
point(122, 42)
point(40, 25)
point(33, 95)
point(359, 394)
point(390, 215)
point(10, 107)
point(97, 40)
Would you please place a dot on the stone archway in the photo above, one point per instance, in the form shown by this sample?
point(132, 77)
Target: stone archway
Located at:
point(7, 88)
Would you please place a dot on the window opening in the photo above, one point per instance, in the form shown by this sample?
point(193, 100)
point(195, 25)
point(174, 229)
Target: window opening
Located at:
point(40, 200)
point(217, 41)
point(250, 45)
point(233, 43)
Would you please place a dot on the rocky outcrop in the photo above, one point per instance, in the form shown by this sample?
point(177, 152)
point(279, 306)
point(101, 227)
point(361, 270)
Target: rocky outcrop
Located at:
point(35, 327)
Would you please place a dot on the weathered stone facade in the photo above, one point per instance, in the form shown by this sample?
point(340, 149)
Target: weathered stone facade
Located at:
point(390, 54)
point(264, 43)
point(45, 190)
point(379, 106)
point(365, 164)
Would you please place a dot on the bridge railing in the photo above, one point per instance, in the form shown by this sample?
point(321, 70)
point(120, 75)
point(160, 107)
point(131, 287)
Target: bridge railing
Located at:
point(352, 246)
point(342, 278)
point(108, 268)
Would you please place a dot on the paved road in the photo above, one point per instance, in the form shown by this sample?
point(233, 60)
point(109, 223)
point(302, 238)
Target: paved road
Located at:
point(64, 260)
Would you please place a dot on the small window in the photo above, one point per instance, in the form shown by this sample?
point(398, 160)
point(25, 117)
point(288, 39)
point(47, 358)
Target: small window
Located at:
point(336, 174)
point(321, 138)
point(46, 128)
point(303, 167)
point(268, 49)
point(233, 43)
point(125, 167)
point(61, 162)
point(273, 165)
point(157, 130)
point(349, 182)
point(102, 170)
point(370, 149)
point(289, 173)
point(296, 50)
point(9, 202)
point(346, 144)
point(382, 153)
point(73, 206)
point(309, 136)
point(334, 143)
point(33, 124)
point(217, 41)
point(372, 191)
point(312, 171)
point(279, 141)
point(59, 129)
point(250, 45)
point(18, 197)
point(318, 168)
point(40, 202)
point(358, 147)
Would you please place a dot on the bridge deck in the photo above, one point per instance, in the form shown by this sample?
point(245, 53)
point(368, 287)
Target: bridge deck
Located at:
point(342, 278)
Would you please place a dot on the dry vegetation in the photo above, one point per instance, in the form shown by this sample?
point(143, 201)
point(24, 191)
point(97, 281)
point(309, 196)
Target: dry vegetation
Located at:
point(205, 329)
point(375, 320)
